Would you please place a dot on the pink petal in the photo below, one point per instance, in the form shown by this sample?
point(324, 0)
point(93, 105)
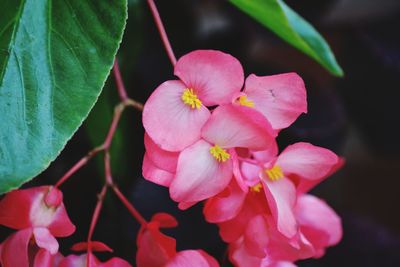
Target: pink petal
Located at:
point(199, 175)
point(95, 246)
point(193, 258)
point(281, 197)
point(251, 173)
point(239, 255)
point(211, 261)
point(226, 205)
point(282, 264)
point(115, 262)
point(154, 248)
point(76, 261)
point(170, 123)
point(280, 98)
point(304, 185)
point(237, 172)
point(186, 205)
point(214, 75)
point(236, 126)
point(14, 250)
point(163, 159)
point(44, 259)
point(267, 155)
point(15, 207)
point(307, 161)
point(318, 222)
point(154, 174)
point(256, 236)
point(165, 220)
point(45, 240)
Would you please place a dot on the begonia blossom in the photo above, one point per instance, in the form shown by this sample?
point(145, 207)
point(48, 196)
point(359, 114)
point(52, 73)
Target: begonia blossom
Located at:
point(176, 111)
point(39, 216)
point(282, 177)
point(205, 168)
point(156, 249)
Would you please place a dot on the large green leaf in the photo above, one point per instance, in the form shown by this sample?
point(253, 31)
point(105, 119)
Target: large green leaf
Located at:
point(290, 26)
point(54, 59)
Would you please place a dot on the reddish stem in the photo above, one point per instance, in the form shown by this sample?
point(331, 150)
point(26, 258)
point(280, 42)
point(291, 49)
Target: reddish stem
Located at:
point(95, 217)
point(78, 165)
point(132, 210)
point(120, 83)
point(162, 31)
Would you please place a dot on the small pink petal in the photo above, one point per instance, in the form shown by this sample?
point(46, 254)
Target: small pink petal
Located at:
point(267, 155)
point(199, 175)
point(240, 256)
point(307, 161)
point(280, 98)
point(163, 159)
point(251, 173)
point(226, 205)
point(165, 220)
point(281, 197)
point(14, 251)
point(154, 248)
point(170, 123)
point(236, 126)
point(95, 246)
point(115, 262)
point(318, 222)
point(237, 172)
point(214, 75)
point(154, 174)
point(186, 205)
point(44, 239)
point(187, 258)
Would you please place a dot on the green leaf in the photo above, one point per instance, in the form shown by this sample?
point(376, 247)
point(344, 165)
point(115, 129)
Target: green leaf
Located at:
point(290, 26)
point(54, 59)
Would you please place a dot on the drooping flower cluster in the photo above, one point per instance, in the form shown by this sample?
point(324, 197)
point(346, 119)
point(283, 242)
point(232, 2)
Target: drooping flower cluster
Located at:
point(207, 139)
point(39, 215)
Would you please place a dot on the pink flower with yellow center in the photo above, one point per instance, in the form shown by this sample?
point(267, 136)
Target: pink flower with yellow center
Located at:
point(177, 110)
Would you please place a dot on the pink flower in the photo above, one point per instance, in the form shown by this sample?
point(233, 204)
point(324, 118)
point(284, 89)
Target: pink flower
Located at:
point(205, 168)
point(254, 239)
point(297, 169)
point(280, 98)
point(39, 215)
point(176, 111)
point(81, 260)
point(158, 250)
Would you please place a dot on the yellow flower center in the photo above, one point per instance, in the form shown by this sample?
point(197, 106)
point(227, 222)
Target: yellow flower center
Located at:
point(246, 102)
point(219, 153)
point(275, 173)
point(191, 99)
point(256, 188)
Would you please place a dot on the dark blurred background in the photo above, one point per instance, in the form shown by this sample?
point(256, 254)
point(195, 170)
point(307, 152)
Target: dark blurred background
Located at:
point(355, 116)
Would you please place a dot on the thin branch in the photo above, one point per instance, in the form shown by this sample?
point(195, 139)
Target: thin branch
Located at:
point(120, 83)
point(95, 218)
point(162, 31)
point(132, 210)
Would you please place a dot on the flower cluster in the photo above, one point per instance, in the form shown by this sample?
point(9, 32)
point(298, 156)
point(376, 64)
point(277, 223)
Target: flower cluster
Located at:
point(207, 138)
point(39, 216)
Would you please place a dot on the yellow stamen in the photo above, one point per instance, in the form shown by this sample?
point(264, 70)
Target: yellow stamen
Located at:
point(219, 153)
point(275, 173)
point(191, 99)
point(256, 188)
point(246, 102)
